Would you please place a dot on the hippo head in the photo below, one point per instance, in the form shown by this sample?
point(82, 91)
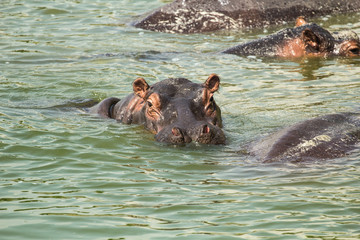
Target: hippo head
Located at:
point(318, 41)
point(347, 43)
point(180, 111)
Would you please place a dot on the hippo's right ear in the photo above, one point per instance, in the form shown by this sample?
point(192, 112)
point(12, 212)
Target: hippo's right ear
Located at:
point(310, 39)
point(140, 87)
point(300, 21)
point(212, 83)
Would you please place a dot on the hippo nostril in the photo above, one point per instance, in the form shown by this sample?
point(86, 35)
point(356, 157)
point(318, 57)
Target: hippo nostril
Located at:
point(206, 129)
point(176, 131)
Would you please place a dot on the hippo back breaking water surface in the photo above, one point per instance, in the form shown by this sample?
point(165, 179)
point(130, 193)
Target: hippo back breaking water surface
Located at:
point(195, 16)
point(325, 137)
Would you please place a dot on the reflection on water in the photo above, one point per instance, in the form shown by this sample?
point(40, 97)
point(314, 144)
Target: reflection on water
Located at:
point(70, 175)
point(309, 68)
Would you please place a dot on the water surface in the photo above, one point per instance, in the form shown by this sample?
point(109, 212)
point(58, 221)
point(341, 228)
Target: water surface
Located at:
point(68, 175)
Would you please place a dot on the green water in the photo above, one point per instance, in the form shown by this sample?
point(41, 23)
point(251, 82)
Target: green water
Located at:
point(67, 175)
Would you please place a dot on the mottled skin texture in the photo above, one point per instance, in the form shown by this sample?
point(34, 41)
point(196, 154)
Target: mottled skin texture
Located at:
point(195, 16)
point(175, 110)
point(303, 40)
point(325, 137)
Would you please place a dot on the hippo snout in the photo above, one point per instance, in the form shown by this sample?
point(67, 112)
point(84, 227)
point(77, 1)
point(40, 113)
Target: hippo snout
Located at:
point(178, 135)
point(207, 134)
point(203, 133)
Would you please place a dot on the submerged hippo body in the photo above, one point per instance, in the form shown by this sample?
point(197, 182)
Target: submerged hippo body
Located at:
point(176, 110)
point(303, 40)
point(195, 16)
point(325, 137)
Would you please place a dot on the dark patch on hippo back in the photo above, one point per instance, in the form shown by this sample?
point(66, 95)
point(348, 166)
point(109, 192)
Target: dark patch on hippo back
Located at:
point(195, 16)
point(325, 137)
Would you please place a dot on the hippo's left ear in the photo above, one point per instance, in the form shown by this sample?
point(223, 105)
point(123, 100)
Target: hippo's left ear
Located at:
point(212, 83)
point(140, 87)
point(310, 39)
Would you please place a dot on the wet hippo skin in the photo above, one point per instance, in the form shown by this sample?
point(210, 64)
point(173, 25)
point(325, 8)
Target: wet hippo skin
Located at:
point(306, 39)
point(176, 110)
point(325, 137)
point(196, 16)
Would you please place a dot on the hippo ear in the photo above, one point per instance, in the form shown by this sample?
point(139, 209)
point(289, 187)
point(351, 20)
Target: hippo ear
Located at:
point(212, 83)
point(140, 87)
point(310, 39)
point(300, 21)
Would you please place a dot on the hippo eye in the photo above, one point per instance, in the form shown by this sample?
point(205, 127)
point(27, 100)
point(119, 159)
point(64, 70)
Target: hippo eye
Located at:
point(210, 107)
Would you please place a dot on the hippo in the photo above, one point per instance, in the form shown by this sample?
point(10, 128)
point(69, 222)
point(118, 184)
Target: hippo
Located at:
point(325, 137)
point(197, 16)
point(176, 110)
point(306, 39)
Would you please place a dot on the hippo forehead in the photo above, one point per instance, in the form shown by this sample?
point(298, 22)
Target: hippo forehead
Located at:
point(174, 88)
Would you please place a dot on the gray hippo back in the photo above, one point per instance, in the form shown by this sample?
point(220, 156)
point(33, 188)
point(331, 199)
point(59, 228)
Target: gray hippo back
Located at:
point(196, 16)
point(325, 137)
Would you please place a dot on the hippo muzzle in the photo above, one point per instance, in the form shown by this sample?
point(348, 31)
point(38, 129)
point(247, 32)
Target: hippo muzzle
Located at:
point(201, 132)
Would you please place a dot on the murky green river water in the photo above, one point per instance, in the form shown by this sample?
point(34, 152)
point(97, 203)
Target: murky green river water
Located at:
point(67, 175)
